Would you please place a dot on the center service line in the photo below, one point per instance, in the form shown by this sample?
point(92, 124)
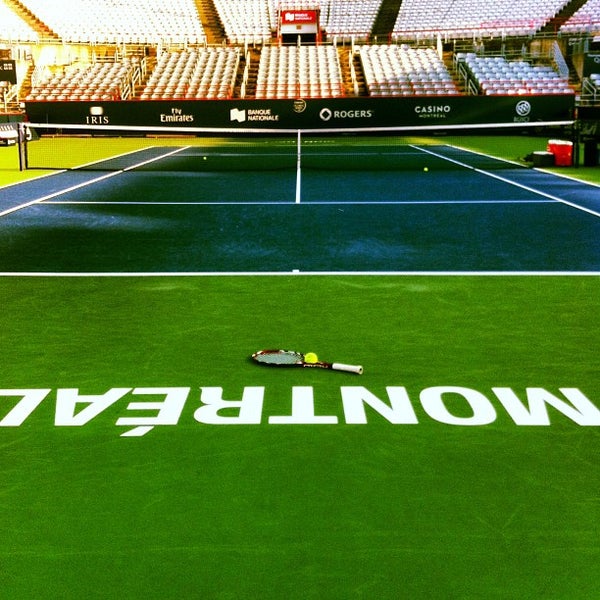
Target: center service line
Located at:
point(298, 172)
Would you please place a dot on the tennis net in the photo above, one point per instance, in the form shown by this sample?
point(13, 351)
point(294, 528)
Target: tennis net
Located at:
point(125, 148)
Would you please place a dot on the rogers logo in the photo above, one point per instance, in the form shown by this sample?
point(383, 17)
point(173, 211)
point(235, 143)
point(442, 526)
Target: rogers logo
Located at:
point(327, 114)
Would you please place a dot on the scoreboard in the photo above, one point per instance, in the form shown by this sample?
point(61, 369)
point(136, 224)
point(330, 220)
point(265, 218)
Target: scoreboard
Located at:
point(8, 71)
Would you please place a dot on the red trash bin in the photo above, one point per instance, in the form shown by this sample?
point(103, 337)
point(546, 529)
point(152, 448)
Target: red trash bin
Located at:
point(563, 152)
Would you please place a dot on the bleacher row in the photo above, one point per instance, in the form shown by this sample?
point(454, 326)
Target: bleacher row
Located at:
point(154, 22)
point(311, 71)
point(585, 20)
point(208, 73)
point(404, 71)
point(99, 81)
point(299, 72)
point(497, 76)
point(464, 18)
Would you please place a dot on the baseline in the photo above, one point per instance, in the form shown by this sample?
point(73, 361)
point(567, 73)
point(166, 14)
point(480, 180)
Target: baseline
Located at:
point(289, 203)
point(297, 273)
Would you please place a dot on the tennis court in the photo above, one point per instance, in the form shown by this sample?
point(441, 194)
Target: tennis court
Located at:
point(145, 455)
point(318, 205)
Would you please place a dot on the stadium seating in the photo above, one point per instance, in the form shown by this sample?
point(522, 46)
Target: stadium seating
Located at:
point(13, 28)
point(255, 21)
point(99, 81)
point(498, 76)
point(196, 74)
point(114, 21)
point(187, 68)
point(351, 19)
point(245, 21)
point(585, 20)
point(392, 70)
point(304, 71)
point(468, 18)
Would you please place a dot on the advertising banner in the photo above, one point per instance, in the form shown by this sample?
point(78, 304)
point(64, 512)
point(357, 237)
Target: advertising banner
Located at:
point(299, 21)
point(433, 113)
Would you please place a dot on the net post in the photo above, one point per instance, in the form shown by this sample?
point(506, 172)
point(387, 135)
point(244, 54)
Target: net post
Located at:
point(22, 146)
point(298, 165)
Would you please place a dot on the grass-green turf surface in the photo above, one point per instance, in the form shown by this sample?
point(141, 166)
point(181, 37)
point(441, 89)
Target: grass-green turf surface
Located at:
point(315, 511)
point(329, 511)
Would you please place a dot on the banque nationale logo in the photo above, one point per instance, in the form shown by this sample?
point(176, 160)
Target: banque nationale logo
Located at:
point(242, 115)
point(138, 410)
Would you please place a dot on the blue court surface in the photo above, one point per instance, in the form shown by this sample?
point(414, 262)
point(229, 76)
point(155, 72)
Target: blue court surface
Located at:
point(149, 212)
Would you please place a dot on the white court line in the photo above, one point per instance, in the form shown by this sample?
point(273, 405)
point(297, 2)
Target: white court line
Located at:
point(89, 182)
point(298, 169)
point(305, 203)
point(33, 179)
point(298, 273)
point(509, 181)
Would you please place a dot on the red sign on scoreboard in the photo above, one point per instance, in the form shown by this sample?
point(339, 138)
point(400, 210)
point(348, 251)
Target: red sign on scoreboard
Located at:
point(298, 22)
point(299, 17)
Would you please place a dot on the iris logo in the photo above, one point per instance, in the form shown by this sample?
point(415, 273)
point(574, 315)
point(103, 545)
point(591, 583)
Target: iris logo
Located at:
point(523, 108)
point(96, 116)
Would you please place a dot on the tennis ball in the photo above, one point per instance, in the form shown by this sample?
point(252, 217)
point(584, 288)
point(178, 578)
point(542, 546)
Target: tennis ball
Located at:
point(311, 358)
point(425, 169)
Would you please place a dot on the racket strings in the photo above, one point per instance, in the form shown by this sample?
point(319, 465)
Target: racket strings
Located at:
point(279, 358)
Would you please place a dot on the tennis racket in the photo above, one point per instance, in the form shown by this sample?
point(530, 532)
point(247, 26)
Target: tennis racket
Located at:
point(289, 358)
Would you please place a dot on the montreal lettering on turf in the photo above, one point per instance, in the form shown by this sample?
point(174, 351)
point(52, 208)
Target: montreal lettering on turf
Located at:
point(144, 408)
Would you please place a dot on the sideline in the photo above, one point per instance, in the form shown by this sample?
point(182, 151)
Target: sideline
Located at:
point(89, 182)
point(505, 180)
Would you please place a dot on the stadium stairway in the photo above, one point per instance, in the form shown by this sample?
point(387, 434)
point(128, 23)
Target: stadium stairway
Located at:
point(44, 32)
point(385, 20)
point(213, 28)
point(25, 88)
point(448, 58)
point(251, 60)
point(553, 26)
point(345, 55)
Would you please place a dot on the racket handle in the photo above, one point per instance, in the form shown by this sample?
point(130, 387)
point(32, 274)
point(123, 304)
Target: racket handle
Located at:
point(349, 368)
